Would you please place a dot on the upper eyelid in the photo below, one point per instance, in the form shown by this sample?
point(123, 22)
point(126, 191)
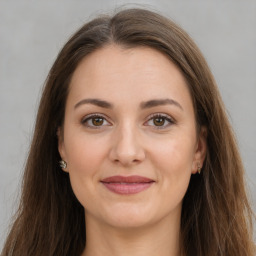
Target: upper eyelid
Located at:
point(95, 115)
point(161, 115)
point(84, 121)
point(171, 121)
point(149, 117)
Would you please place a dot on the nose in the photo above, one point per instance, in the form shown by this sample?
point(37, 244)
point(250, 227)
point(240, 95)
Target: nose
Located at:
point(126, 147)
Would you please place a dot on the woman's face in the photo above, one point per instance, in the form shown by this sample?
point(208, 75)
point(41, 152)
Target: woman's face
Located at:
point(129, 137)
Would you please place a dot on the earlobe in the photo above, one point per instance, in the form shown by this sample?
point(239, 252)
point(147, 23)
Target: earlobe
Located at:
point(201, 149)
point(61, 149)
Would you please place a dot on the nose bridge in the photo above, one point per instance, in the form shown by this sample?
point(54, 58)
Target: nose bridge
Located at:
point(127, 137)
point(126, 147)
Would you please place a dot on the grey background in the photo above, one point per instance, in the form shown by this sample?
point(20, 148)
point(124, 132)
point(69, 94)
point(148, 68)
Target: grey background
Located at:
point(32, 33)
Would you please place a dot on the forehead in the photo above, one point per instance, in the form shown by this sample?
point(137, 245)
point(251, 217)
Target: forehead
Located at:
point(116, 73)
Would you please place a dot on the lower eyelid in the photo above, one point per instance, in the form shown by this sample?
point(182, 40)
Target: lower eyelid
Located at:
point(166, 118)
point(89, 117)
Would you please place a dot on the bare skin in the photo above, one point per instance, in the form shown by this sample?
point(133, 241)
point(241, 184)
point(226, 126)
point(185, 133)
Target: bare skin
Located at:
point(129, 113)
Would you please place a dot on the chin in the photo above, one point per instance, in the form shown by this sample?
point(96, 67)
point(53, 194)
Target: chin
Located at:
point(130, 216)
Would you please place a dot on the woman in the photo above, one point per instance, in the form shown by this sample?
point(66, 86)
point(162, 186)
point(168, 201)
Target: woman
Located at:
point(132, 152)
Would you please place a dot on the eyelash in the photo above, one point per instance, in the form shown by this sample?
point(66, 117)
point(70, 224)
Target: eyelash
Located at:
point(90, 118)
point(166, 118)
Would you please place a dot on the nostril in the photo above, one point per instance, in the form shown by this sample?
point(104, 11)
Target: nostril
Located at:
point(127, 159)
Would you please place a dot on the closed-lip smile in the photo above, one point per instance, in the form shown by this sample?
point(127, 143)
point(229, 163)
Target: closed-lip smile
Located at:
point(126, 185)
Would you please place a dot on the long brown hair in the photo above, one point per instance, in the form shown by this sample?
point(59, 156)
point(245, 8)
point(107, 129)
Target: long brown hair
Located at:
point(216, 215)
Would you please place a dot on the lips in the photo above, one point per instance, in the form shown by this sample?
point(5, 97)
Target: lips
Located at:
point(127, 185)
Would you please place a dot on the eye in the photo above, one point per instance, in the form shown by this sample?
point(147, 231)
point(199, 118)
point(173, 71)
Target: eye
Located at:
point(160, 121)
point(95, 121)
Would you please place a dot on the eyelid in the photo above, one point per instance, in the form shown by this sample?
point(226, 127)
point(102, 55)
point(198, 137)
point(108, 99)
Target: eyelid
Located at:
point(93, 115)
point(166, 117)
point(161, 115)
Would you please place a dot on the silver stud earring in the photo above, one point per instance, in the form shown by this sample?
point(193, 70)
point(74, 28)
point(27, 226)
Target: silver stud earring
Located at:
point(63, 164)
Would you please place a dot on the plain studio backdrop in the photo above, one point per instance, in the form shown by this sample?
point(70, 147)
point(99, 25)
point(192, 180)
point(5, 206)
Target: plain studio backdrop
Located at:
point(33, 32)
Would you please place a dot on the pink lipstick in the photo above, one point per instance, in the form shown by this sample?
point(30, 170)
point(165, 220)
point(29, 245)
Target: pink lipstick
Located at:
point(127, 185)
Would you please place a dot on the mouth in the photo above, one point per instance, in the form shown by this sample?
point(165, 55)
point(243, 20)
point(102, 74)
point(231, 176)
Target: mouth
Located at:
point(127, 185)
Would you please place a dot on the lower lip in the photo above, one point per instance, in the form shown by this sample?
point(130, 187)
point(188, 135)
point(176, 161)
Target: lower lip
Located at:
point(127, 188)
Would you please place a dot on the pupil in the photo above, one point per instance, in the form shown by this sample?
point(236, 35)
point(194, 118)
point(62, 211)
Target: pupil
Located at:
point(97, 121)
point(159, 121)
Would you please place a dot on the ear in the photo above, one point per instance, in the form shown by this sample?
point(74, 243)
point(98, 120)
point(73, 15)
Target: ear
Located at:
point(61, 147)
point(201, 149)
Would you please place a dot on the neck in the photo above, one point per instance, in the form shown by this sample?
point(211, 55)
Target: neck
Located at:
point(160, 239)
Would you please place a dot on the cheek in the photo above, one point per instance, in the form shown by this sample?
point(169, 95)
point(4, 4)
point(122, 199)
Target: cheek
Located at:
point(84, 154)
point(84, 158)
point(175, 155)
point(173, 160)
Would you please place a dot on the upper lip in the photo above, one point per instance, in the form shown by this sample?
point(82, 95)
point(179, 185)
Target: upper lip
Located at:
point(127, 179)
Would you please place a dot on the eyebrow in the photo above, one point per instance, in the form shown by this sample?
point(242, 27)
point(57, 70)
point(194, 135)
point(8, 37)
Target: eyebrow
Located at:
point(96, 102)
point(159, 102)
point(143, 105)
